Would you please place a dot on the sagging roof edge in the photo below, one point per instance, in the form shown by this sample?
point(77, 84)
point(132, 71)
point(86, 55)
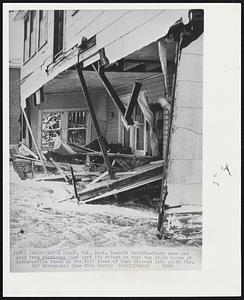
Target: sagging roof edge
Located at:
point(166, 23)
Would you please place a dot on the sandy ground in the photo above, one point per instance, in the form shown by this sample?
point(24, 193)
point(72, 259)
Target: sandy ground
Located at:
point(38, 220)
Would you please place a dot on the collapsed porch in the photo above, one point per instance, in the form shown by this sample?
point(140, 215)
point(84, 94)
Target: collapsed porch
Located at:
point(138, 67)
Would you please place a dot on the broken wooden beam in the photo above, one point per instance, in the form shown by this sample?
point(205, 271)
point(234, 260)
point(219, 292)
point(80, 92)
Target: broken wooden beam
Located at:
point(82, 147)
point(128, 187)
point(122, 155)
point(95, 122)
point(36, 161)
point(110, 90)
point(74, 183)
point(145, 172)
point(133, 101)
point(61, 172)
point(34, 141)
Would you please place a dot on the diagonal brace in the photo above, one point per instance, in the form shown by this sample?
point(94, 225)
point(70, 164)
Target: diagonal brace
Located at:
point(133, 101)
point(112, 93)
point(95, 122)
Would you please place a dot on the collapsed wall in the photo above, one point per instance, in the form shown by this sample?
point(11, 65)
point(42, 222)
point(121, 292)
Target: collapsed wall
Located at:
point(185, 161)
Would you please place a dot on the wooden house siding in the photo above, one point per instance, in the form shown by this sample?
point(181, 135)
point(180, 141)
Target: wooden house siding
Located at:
point(185, 172)
point(114, 29)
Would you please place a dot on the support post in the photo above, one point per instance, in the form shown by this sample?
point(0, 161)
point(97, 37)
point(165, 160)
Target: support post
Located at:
point(34, 142)
point(74, 184)
point(164, 187)
point(95, 122)
point(133, 100)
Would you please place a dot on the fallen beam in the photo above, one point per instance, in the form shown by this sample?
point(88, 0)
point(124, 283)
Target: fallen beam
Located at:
point(146, 172)
point(36, 161)
point(95, 122)
point(59, 169)
point(34, 141)
point(124, 189)
point(133, 101)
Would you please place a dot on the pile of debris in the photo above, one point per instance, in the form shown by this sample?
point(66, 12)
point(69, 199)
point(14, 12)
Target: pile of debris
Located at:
point(84, 168)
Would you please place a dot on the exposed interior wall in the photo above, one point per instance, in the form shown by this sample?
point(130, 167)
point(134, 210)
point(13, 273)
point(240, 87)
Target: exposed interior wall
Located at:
point(185, 170)
point(14, 105)
point(66, 101)
point(154, 88)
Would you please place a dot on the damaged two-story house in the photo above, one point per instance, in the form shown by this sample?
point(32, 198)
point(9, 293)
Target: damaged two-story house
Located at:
point(131, 78)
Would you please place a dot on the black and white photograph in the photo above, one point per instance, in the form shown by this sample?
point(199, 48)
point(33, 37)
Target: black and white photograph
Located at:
point(105, 149)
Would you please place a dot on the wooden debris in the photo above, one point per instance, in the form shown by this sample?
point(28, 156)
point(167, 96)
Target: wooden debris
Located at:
point(98, 178)
point(59, 169)
point(125, 188)
point(74, 183)
point(143, 175)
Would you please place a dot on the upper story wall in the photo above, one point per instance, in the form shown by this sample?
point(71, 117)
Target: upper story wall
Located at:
point(119, 32)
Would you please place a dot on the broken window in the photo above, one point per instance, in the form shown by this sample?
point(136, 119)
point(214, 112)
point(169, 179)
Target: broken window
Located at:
point(51, 127)
point(77, 127)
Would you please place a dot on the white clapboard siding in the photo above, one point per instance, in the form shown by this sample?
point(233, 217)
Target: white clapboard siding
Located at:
point(118, 29)
point(185, 170)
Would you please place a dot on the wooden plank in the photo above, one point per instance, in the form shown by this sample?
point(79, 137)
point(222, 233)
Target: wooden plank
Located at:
point(123, 164)
point(147, 171)
point(124, 189)
point(82, 147)
point(97, 179)
point(37, 161)
point(50, 178)
point(112, 93)
point(59, 169)
point(95, 122)
point(74, 183)
point(121, 155)
point(34, 141)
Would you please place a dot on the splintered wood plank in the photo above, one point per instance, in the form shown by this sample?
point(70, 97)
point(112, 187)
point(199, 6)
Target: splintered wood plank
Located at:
point(133, 101)
point(124, 189)
point(102, 187)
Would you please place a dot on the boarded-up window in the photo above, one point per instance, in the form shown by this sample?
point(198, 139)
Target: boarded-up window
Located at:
point(58, 32)
point(77, 127)
point(51, 127)
point(42, 27)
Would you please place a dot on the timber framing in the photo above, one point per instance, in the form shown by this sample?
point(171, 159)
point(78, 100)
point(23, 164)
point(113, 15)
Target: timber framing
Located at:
point(95, 122)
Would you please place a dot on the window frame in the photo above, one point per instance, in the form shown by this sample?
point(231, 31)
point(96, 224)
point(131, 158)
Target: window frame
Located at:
point(44, 42)
point(56, 38)
point(64, 124)
point(29, 34)
point(77, 128)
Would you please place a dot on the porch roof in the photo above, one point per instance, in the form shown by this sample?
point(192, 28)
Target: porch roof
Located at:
point(68, 81)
